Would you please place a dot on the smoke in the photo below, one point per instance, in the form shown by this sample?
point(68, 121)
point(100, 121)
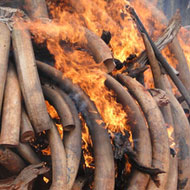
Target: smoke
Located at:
point(169, 7)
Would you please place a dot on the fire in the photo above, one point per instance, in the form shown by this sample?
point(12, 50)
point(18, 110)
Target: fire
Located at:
point(64, 37)
point(170, 131)
point(51, 110)
point(87, 142)
point(54, 115)
point(46, 179)
point(64, 40)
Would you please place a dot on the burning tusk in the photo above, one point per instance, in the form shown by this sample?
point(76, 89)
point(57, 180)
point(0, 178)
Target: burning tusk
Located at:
point(28, 154)
point(139, 130)
point(167, 36)
point(61, 106)
point(26, 129)
point(72, 143)
point(104, 162)
point(11, 161)
point(158, 132)
point(29, 79)
point(99, 50)
point(182, 65)
point(182, 135)
point(4, 54)
point(161, 59)
point(11, 116)
point(166, 110)
point(36, 9)
point(58, 156)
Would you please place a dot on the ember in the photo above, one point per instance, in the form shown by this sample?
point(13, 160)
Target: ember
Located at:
point(99, 108)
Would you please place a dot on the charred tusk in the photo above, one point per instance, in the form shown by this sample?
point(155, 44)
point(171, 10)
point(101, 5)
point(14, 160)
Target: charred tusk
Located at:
point(157, 128)
point(58, 156)
point(139, 130)
point(104, 173)
point(61, 106)
point(72, 143)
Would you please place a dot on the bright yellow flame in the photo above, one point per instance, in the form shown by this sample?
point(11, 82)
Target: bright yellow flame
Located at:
point(170, 131)
point(46, 179)
point(85, 145)
point(65, 40)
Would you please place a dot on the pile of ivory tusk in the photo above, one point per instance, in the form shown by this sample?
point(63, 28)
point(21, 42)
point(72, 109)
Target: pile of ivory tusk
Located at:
point(24, 115)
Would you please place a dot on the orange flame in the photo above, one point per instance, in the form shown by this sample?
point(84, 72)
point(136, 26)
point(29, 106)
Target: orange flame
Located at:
point(87, 141)
point(54, 115)
point(64, 37)
point(170, 131)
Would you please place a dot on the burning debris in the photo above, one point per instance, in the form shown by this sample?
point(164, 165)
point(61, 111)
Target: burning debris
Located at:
point(88, 118)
